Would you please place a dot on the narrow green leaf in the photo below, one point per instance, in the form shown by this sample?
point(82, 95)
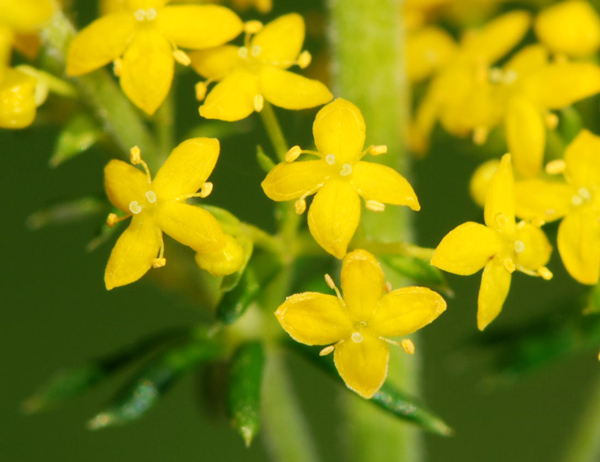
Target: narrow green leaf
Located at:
point(67, 212)
point(388, 398)
point(80, 134)
point(70, 383)
point(154, 380)
point(243, 397)
point(419, 271)
point(264, 161)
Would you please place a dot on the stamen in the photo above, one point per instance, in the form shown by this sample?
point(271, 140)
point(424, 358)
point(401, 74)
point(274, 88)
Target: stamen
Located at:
point(330, 159)
point(259, 103)
point(333, 287)
point(113, 219)
point(375, 206)
point(576, 200)
point(480, 136)
point(554, 167)
point(160, 261)
point(293, 154)
point(408, 346)
point(117, 67)
point(496, 75)
point(519, 246)
point(551, 120)
point(304, 59)
point(182, 57)
point(509, 265)
point(325, 351)
point(346, 170)
point(255, 50)
point(300, 206)
point(545, 273)
point(501, 220)
point(253, 27)
point(206, 190)
point(135, 157)
point(140, 15)
point(243, 52)
point(201, 90)
point(357, 337)
point(151, 196)
point(388, 287)
point(378, 150)
point(135, 207)
point(151, 14)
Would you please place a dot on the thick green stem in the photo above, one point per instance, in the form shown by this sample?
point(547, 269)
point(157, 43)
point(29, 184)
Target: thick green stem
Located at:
point(368, 67)
point(585, 446)
point(99, 91)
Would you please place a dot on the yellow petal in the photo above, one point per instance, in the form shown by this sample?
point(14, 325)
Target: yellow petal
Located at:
point(582, 157)
point(427, 50)
point(124, 183)
point(112, 6)
point(536, 249)
point(383, 184)
point(526, 136)
point(147, 70)
point(192, 226)
point(199, 26)
point(134, 252)
point(425, 119)
point(289, 181)
point(481, 179)
point(291, 91)
point(314, 319)
point(528, 60)
point(187, 168)
point(134, 5)
point(339, 129)
point(495, 284)
point(404, 311)
point(334, 216)
point(232, 99)
point(362, 284)
point(26, 16)
point(497, 37)
point(363, 366)
point(561, 84)
point(466, 249)
point(280, 41)
point(579, 245)
point(17, 99)
point(100, 43)
point(222, 262)
point(548, 200)
point(499, 211)
point(215, 63)
point(570, 27)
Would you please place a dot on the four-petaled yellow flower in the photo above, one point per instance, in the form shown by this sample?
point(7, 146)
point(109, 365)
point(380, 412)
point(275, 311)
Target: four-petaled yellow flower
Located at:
point(500, 247)
point(358, 325)
point(339, 178)
point(160, 205)
point(577, 200)
point(257, 71)
point(147, 35)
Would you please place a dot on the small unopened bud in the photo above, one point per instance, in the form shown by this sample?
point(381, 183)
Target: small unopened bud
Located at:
point(304, 59)
point(201, 91)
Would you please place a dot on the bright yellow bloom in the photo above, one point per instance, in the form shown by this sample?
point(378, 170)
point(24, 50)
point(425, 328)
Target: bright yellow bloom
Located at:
point(17, 99)
point(255, 72)
point(577, 200)
point(571, 27)
point(159, 206)
point(147, 36)
point(500, 247)
point(358, 325)
point(339, 178)
point(427, 51)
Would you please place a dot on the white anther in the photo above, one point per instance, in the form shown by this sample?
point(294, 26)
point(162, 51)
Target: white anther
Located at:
point(135, 207)
point(329, 282)
point(243, 52)
point(330, 159)
point(584, 193)
point(576, 200)
point(496, 75)
point(346, 170)
point(182, 57)
point(408, 346)
point(259, 103)
point(151, 196)
point(519, 246)
point(140, 15)
point(375, 206)
point(510, 76)
point(255, 51)
point(357, 337)
point(151, 14)
point(550, 212)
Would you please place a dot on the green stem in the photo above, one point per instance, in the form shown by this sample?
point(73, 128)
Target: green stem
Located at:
point(274, 131)
point(368, 67)
point(164, 120)
point(585, 446)
point(98, 90)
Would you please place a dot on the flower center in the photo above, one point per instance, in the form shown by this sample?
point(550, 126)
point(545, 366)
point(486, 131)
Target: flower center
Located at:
point(135, 207)
point(519, 246)
point(145, 14)
point(357, 337)
point(346, 168)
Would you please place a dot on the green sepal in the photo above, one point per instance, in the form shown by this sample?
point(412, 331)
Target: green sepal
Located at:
point(389, 398)
point(64, 213)
point(70, 383)
point(80, 134)
point(264, 161)
point(155, 378)
point(243, 394)
point(419, 271)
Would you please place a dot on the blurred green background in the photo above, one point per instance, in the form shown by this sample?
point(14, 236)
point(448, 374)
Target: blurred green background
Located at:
point(56, 313)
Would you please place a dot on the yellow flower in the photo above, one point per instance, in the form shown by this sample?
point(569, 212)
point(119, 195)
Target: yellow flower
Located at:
point(147, 35)
point(571, 27)
point(500, 247)
point(358, 325)
point(255, 72)
point(427, 51)
point(577, 200)
point(339, 178)
point(17, 99)
point(159, 206)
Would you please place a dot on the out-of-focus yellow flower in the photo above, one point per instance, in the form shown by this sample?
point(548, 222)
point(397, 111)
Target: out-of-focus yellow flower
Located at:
point(358, 325)
point(17, 99)
point(25, 16)
point(255, 72)
point(481, 179)
point(147, 35)
point(263, 6)
point(571, 27)
point(339, 178)
point(418, 12)
point(577, 200)
point(427, 51)
point(159, 206)
point(500, 247)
